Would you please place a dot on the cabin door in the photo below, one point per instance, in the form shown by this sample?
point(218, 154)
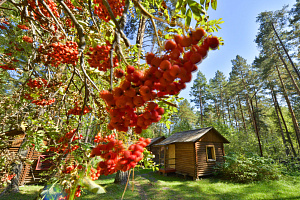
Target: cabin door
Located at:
point(171, 158)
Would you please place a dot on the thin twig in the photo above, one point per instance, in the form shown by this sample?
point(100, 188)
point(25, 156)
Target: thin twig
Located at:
point(111, 14)
point(52, 15)
point(111, 52)
point(146, 13)
point(77, 25)
point(91, 13)
point(126, 185)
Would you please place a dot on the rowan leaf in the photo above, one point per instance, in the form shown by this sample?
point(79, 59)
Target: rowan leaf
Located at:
point(214, 4)
point(188, 17)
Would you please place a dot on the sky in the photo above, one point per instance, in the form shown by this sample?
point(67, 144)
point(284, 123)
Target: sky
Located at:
point(238, 32)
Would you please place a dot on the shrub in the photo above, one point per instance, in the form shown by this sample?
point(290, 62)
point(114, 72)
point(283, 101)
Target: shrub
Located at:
point(248, 168)
point(290, 165)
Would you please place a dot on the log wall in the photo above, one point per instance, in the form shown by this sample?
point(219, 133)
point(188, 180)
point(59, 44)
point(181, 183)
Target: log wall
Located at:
point(205, 167)
point(185, 158)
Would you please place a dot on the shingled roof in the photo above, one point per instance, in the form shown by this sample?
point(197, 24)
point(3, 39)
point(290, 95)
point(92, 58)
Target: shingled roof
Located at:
point(189, 136)
point(155, 139)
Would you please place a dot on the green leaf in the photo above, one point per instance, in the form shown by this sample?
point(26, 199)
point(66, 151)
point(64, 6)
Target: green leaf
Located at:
point(214, 4)
point(188, 17)
point(167, 14)
point(207, 4)
point(183, 10)
point(202, 2)
point(179, 4)
point(196, 8)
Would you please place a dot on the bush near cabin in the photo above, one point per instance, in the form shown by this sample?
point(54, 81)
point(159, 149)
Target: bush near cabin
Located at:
point(248, 168)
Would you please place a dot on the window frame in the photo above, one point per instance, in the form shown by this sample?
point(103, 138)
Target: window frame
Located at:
point(213, 152)
point(44, 163)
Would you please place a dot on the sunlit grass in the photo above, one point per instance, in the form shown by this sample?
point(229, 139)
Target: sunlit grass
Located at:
point(150, 185)
point(26, 192)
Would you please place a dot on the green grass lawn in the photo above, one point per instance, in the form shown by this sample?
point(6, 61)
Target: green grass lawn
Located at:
point(150, 185)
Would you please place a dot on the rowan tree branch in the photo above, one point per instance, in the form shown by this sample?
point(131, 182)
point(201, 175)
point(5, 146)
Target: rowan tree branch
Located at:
point(111, 14)
point(78, 27)
point(92, 16)
point(146, 13)
point(53, 16)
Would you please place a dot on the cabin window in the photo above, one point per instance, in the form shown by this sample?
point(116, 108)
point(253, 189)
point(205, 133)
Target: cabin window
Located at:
point(44, 162)
point(210, 153)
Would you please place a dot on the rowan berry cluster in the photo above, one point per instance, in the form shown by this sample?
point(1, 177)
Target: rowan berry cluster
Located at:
point(37, 83)
point(77, 193)
point(22, 26)
point(77, 110)
point(4, 21)
point(117, 7)
point(7, 67)
point(33, 7)
point(69, 22)
point(63, 143)
point(61, 53)
point(27, 39)
point(7, 177)
point(119, 73)
point(133, 155)
point(69, 169)
point(99, 57)
point(94, 174)
point(166, 75)
point(27, 96)
point(69, 4)
point(43, 102)
point(114, 155)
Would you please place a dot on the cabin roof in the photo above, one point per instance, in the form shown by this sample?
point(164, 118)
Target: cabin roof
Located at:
point(189, 136)
point(155, 139)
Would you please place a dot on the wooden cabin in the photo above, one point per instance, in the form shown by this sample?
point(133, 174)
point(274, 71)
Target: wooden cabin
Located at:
point(155, 149)
point(30, 172)
point(193, 153)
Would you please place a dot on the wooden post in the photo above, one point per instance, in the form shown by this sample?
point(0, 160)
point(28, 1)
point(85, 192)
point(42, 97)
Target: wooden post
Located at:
point(159, 157)
point(165, 155)
point(196, 177)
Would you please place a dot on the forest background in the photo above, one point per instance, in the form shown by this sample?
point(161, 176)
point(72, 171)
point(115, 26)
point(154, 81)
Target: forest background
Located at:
point(255, 105)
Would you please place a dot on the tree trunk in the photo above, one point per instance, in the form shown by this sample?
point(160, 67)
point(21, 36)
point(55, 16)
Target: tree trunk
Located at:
point(140, 36)
point(287, 131)
point(121, 177)
point(14, 185)
point(288, 71)
point(256, 111)
point(286, 128)
point(235, 118)
point(243, 118)
point(295, 123)
point(252, 115)
point(287, 151)
point(295, 69)
point(228, 110)
point(201, 107)
point(222, 105)
point(256, 129)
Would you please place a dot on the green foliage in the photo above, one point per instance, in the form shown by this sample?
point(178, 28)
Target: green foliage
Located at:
point(147, 162)
point(291, 166)
point(248, 168)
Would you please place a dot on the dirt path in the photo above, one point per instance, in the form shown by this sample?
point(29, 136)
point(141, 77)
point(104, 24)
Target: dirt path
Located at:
point(141, 191)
